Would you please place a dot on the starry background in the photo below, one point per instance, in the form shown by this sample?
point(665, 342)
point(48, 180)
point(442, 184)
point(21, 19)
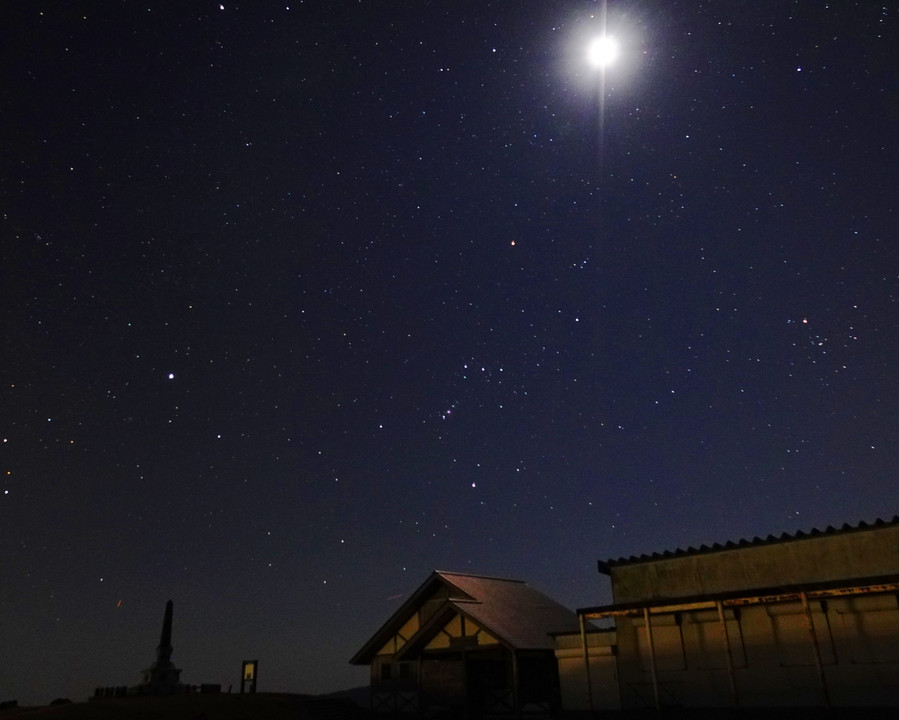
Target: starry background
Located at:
point(302, 301)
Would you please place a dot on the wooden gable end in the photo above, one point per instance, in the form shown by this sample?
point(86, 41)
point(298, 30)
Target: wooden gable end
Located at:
point(460, 631)
point(401, 637)
point(424, 611)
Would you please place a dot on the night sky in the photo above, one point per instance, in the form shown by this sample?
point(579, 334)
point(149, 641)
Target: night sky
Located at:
point(302, 301)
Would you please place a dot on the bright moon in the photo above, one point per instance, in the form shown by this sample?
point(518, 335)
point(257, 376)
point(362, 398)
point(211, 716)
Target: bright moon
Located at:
point(602, 51)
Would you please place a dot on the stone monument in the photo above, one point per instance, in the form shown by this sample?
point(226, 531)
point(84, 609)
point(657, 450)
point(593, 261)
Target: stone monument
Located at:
point(162, 677)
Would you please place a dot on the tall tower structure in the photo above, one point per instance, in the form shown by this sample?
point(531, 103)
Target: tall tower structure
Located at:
point(162, 677)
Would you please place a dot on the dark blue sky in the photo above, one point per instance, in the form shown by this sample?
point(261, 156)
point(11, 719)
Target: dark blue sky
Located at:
point(305, 300)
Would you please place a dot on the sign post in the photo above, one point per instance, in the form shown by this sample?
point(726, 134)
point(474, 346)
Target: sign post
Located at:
point(248, 676)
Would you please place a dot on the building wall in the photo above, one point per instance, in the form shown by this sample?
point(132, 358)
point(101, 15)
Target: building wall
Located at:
point(603, 671)
point(839, 556)
point(772, 654)
point(462, 669)
point(461, 632)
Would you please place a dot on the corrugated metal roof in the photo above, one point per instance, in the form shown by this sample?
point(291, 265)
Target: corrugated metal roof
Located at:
point(731, 545)
point(511, 610)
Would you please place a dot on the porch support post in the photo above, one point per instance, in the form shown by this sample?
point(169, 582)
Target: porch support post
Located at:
point(516, 698)
point(811, 629)
point(652, 658)
point(468, 707)
point(586, 662)
point(418, 697)
point(730, 662)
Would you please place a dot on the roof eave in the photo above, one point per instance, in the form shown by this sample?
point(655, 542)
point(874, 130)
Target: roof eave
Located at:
point(370, 649)
point(760, 595)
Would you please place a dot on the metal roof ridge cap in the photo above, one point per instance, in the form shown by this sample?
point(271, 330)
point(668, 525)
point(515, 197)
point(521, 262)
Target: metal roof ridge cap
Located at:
point(451, 573)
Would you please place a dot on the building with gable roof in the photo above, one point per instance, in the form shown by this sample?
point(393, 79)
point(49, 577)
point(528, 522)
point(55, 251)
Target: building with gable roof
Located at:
point(468, 644)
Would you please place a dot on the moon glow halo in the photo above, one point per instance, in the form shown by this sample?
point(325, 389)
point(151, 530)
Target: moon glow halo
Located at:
point(603, 51)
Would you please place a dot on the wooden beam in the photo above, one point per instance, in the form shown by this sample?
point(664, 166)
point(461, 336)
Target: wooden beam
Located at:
point(652, 658)
point(586, 663)
point(811, 629)
point(730, 661)
point(734, 600)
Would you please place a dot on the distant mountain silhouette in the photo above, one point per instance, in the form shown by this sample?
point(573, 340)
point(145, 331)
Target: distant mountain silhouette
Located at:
point(359, 695)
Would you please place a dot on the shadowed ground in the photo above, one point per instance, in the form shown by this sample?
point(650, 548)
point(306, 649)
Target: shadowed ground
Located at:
point(276, 706)
point(260, 706)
